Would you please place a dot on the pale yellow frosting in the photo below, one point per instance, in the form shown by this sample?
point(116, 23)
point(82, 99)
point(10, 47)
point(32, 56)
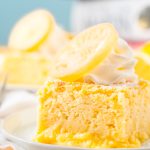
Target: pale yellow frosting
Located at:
point(117, 68)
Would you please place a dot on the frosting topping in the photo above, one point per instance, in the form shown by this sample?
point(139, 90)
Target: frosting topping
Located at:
point(118, 68)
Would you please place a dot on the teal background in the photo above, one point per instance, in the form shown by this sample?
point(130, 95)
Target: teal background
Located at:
point(12, 10)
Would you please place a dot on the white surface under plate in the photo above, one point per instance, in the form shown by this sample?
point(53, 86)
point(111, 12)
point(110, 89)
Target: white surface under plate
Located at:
point(20, 127)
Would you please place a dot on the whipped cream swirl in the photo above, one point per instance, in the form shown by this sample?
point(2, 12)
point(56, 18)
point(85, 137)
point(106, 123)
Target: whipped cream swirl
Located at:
point(118, 68)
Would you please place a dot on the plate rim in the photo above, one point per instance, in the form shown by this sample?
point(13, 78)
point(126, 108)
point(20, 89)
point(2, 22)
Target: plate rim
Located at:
point(22, 87)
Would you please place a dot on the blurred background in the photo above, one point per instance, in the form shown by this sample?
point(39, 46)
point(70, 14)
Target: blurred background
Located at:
point(12, 11)
point(131, 17)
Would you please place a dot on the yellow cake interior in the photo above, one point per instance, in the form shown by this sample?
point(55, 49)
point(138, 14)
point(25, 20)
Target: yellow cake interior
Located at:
point(94, 116)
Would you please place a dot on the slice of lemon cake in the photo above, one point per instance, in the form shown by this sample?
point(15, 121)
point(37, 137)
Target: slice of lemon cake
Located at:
point(90, 115)
point(25, 69)
point(95, 99)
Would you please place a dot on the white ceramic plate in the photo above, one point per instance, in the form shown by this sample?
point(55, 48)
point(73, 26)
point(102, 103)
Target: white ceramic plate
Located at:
point(20, 127)
point(22, 87)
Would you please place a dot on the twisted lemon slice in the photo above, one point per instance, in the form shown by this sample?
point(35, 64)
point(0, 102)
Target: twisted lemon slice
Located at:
point(87, 50)
point(146, 48)
point(31, 31)
point(142, 67)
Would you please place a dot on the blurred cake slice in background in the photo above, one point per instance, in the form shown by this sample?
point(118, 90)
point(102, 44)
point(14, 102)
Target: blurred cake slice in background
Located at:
point(33, 43)
point(25, 69)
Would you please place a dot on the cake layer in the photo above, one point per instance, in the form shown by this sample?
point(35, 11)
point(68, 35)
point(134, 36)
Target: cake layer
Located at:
point(25, 69)
point(94, 116)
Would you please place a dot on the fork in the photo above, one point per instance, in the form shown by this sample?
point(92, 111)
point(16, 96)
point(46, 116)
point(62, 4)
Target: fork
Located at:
point(3, 90)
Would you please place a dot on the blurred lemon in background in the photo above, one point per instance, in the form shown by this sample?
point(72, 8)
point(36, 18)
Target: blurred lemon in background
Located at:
point(38, 31)
point(31, 31)
point(146, 48)
point(142, 67)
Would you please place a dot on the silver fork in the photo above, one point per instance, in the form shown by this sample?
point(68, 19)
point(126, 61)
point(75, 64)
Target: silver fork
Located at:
point(3, 89)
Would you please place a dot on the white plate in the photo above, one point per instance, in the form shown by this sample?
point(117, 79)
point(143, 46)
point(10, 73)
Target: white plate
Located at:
point(22, 87)
point(20, 128)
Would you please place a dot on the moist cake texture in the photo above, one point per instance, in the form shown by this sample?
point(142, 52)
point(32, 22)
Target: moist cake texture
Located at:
point(94, 116)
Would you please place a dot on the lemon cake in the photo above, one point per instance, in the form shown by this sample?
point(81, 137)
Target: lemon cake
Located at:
point(89, 115)
point(25, 69)
point(94, 98)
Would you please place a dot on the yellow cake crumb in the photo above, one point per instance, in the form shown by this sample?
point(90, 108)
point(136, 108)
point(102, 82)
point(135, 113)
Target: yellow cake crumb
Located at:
point(94, 116)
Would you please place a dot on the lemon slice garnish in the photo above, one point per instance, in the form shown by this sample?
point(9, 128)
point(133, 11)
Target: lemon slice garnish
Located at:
point(87, 50)
point(146, 48)
point(31, 31)
point(143, 65)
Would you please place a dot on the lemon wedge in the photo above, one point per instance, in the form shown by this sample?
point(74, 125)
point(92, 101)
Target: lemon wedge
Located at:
point(31, 31)
point(142, 67)
point(146, 48)
point(86, 50)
